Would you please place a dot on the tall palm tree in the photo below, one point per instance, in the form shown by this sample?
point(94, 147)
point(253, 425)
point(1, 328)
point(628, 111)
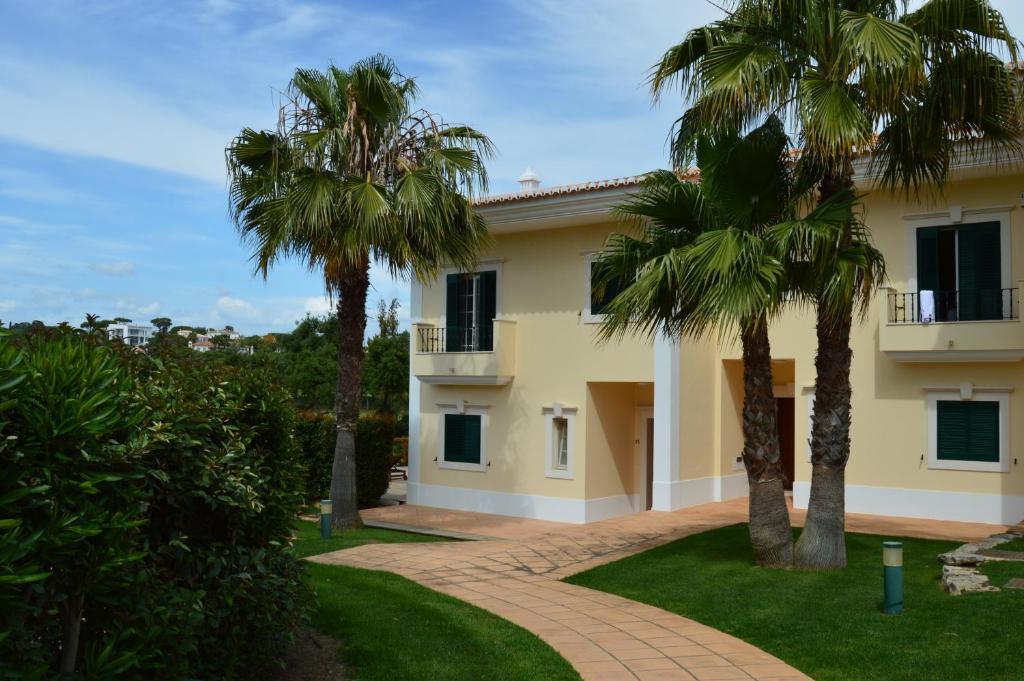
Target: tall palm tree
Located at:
point(704, 262)
point(356, 173)
point(915, 90)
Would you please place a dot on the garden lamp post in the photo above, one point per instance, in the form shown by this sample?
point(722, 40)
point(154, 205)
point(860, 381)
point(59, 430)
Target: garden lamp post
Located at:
point(326, 510)
point(892, 565)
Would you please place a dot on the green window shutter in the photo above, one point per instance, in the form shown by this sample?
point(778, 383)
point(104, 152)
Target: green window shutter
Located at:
point(452, 331)
point(968, 431)
point(928, 259)
point(487, 308)
point(462, 438)
point(979, 270)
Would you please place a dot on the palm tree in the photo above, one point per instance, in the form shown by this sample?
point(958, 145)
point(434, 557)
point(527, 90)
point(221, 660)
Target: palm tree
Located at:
point(705, 261)
point(915, 90)
point(91, 323)
point(354, 173)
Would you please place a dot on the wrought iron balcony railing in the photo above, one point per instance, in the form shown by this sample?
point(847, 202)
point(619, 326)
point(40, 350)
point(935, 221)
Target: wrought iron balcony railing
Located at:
point(455, 339)
point(954, 306)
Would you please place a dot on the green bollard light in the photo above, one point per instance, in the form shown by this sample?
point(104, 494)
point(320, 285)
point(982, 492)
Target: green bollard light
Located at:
point(892, 562)
point(326, 510)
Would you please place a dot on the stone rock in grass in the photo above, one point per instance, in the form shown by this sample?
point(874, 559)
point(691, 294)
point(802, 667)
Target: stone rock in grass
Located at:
point(957, 580)
point(964, 555)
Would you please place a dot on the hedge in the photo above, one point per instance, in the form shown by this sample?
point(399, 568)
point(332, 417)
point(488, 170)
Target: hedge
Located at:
point(146, 511)
point(315, 438)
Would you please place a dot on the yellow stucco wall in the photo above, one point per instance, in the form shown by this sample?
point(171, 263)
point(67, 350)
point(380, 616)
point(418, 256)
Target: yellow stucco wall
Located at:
point(541, 289)
point(556, 359)
point(889, 434)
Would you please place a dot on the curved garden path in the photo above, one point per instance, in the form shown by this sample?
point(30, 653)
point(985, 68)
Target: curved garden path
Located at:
point(514, 568)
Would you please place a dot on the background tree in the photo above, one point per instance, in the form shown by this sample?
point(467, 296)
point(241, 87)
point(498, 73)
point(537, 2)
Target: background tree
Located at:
point(918, 90)
point(162, 324)
point(221, 341)
point(355, 172)
point(122, 320)
point(91, 323)
point(704, 263)
point(386, 374)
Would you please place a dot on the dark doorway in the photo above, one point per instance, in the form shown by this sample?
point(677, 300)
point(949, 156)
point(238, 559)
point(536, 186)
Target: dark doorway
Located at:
point(784, 407)
point(649, 425)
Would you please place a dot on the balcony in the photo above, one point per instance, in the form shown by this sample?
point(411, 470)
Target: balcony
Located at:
point(483, 355)
point(952, 326)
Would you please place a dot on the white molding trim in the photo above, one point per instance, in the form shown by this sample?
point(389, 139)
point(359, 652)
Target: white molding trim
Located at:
point(413, 471)
point(469, 410)
point(553, 211)
point(979, 395)
point(1000, 214)
point(968, 507)
point(557, 410)
point(535, 506)
point(466, 380)
point(667, 391)
point(956, 356)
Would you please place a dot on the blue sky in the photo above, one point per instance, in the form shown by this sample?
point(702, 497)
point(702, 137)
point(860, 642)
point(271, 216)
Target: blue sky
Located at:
point(114, 115)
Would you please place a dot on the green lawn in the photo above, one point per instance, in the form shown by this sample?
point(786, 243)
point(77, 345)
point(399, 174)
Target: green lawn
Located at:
point(1013, 545)
point(392, 628)
point(309, 543)
point(829, 625)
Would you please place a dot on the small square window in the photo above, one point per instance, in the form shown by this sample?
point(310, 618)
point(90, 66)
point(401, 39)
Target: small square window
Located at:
point(462, 441)
point(969, 434)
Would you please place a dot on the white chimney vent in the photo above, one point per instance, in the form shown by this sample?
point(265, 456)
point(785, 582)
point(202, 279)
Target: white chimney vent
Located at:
point(529, 181)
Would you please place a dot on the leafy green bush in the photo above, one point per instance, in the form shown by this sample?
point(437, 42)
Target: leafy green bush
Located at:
point(148, 501)
point(315, 438)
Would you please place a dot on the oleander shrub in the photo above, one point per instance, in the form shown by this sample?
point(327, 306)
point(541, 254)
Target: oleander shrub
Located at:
point(315, 437)
point(147, 500)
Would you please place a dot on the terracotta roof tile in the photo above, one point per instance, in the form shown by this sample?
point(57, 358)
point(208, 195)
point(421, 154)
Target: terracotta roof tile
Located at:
point(567, 189)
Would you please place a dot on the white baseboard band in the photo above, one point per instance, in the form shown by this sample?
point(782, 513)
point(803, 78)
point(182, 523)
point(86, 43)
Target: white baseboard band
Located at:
point(682, 493)
point(538, 507)
point(968, 507)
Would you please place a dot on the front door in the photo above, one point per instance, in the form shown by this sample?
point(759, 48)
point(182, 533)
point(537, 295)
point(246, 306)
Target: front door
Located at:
point(644, 456)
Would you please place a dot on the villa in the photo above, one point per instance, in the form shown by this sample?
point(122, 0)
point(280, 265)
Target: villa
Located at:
point(516, 407)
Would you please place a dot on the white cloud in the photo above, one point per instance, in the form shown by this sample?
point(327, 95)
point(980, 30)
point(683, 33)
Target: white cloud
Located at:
point(152, 308)
point(6, 305)
point(109, 120)
point(229, 308)
point(117, 268)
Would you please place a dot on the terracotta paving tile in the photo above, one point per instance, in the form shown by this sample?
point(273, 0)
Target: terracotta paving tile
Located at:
point(514, 571)
point(719, 674)
point(665, 675)
point(651, 664)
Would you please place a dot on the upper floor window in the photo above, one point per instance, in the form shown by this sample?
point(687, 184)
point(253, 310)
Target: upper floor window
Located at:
point(597, 296)
point(959, 273)
point(470, 310)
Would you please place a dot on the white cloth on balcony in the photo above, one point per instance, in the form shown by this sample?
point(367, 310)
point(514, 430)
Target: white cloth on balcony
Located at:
point(926, 304)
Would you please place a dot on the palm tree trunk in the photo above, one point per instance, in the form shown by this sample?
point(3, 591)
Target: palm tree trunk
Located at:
point(771, 536)
point(351, 289)
point(822, 544)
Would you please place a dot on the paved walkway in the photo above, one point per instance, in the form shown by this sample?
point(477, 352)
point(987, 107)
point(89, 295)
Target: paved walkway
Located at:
point(515, 574)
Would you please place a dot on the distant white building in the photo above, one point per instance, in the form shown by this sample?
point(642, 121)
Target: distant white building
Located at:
point(135, 335)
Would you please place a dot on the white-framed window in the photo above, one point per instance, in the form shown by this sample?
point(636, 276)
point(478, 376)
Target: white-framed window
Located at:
point(559, 422)
point(463, 437)
point(594, 301)
point(969, 430)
